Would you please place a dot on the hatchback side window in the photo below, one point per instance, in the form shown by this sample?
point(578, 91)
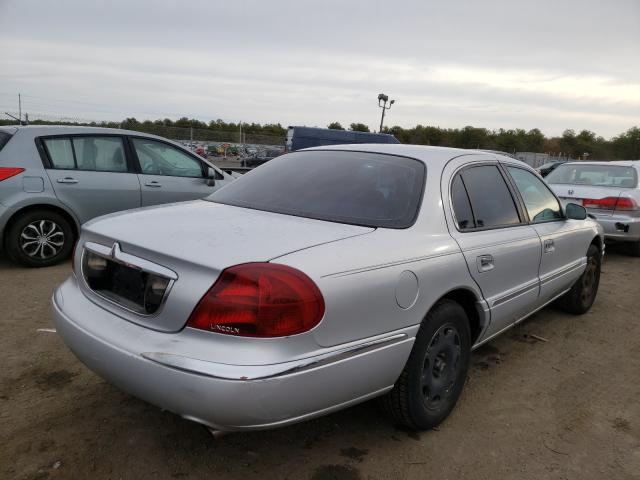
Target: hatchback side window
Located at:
point(101, 154)
point(60, 152)
point(158, 158)
point(491, 201)
point(461, 204)
point(541, 204)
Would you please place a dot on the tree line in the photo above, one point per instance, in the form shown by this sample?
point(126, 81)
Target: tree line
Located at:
point(584, 144)
point(626, 145)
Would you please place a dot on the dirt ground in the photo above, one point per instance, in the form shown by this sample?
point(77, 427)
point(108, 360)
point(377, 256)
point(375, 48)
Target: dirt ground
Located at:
point(568, 408)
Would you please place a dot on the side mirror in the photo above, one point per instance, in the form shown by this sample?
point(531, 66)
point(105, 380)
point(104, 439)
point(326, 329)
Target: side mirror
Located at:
point(211, 176)
point(574, 211)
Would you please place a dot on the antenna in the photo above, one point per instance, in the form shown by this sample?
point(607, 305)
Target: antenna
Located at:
point(20, 109)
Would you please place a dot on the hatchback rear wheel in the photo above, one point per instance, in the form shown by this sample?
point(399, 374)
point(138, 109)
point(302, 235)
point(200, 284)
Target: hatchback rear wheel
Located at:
point(433, 378)
point(39, 238)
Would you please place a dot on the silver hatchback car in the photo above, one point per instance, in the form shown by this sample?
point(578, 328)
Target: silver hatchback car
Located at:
point(54, 178)
point(324, 278)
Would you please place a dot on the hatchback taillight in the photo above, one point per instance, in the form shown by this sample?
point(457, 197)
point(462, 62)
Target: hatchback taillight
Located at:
point(610, 203)
point(8, 172)
point(259, 300)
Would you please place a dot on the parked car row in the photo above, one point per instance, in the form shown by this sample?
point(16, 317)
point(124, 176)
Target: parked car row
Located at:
point(54, 179)
point(324, 278)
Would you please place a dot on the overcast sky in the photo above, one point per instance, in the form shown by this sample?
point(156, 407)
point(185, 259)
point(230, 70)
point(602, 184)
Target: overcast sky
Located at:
point(492, 63)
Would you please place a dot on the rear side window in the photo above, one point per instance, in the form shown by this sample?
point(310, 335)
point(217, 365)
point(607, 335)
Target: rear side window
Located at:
point(4, 139)
point(357, 188)
point(100, 154)
point(491, 201)
point(599, 175)
point(461, 204)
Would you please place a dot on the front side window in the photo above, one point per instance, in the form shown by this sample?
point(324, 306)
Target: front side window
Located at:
point(599, 175)
point(541, 204)
point(491, 200)
point(98, 154)
point(158, 158)
point(357, 188)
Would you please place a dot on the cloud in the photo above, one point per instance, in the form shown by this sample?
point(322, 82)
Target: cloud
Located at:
point(498, 64)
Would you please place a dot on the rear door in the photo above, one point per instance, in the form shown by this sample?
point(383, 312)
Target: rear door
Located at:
point(91, 174)
point(169, 174)
point(501, 250)
point(563, 240)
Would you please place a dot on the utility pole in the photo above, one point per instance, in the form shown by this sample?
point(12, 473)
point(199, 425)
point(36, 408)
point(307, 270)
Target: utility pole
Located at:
point(20, 109)
point(240, 132)
point(382, 103)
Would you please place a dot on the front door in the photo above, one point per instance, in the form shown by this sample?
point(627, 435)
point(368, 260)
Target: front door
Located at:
point(561, 263)
point(167, 174)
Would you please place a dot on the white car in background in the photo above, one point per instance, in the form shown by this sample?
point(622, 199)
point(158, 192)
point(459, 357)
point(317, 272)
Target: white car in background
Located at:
point(609, 191)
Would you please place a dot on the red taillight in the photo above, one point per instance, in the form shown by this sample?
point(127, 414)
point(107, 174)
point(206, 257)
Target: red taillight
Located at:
point(259, 300)
point(8, 172)
point(610, 203)
point(625, 203)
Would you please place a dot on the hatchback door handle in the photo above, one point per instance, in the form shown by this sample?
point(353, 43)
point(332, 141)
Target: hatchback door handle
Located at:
point(485, 263)
point(153, 184)
point(67, 180)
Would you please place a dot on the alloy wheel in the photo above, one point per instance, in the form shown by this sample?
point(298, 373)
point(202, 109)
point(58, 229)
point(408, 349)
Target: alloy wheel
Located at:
point(42, 239)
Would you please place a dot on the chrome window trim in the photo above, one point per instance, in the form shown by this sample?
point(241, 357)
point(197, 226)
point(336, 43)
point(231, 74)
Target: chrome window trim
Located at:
point(115, 254)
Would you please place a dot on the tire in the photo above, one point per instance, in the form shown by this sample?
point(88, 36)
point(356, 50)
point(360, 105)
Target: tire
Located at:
point(430, 384)
point(580, 298)
point(39, 238)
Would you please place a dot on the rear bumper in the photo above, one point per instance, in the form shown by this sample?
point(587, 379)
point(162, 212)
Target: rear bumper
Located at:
point(224, 396)
point(620, 227)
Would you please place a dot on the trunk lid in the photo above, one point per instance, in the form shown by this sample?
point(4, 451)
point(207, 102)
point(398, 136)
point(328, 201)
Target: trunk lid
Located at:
point(199, 239)
point(568, 193)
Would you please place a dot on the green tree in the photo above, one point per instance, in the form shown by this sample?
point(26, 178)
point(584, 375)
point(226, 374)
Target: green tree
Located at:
point(335, 126)
point(359, 127)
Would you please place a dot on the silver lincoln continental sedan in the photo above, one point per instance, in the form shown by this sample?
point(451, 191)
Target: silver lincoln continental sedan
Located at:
point(324, 278)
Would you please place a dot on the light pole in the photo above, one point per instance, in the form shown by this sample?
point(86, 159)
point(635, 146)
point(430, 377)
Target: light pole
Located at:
point(382, 103)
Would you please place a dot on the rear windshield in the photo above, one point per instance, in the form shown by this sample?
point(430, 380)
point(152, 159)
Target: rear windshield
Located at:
point(357, 188)
point(596, 175)
point(4, 139)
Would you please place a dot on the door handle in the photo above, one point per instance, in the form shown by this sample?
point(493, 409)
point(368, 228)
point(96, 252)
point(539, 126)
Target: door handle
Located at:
point(67, 180)
point(153, 184)
point(549, 246)
point(485, 263)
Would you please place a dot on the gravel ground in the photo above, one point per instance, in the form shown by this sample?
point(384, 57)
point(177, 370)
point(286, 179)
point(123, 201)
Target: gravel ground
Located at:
point(567, 408)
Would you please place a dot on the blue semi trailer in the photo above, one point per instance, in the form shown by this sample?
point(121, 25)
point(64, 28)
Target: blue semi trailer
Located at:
point(304, 137)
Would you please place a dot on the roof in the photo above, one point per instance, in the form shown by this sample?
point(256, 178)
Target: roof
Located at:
point(621, 163)
point(38, 130)
point(426, 153)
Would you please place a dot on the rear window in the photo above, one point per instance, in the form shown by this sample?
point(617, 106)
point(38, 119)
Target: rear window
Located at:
point(4, 139)
point(357, 188)
point(596, 175)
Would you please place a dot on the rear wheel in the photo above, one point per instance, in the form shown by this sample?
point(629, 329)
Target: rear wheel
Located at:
point(39, 238)
point(433, 378)
point(579, 299)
